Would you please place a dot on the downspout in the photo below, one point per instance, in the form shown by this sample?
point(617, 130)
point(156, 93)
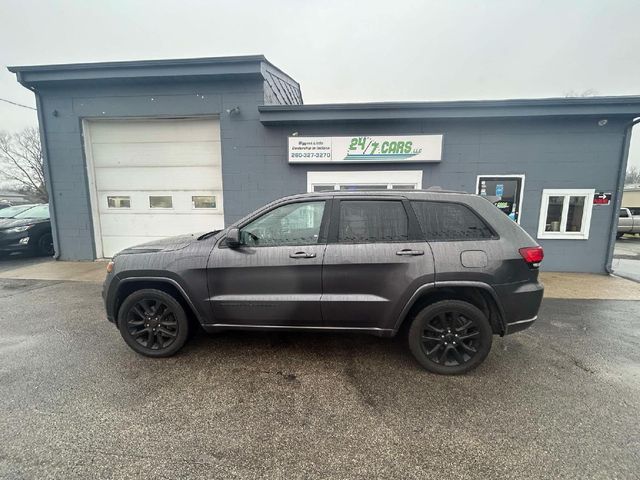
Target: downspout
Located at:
point(47, 176)
point(626, 145)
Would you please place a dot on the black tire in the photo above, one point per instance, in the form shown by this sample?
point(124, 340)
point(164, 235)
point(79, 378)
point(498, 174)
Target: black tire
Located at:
point(618, 236)
point(450, 337)
point(44, 245)
point(153, 323)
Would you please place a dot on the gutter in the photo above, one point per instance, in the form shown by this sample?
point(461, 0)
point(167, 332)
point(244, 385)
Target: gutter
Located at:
point(624, 157)
point(47, 177)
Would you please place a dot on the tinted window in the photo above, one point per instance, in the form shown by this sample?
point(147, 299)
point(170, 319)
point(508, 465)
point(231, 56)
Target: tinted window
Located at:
point(291, 224)
point(372, 221)
point(449, 221)
point(623, 213)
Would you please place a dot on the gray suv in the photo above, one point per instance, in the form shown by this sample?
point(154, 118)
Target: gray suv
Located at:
point(448, 269)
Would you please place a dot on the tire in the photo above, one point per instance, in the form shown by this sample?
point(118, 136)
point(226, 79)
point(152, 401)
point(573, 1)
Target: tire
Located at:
point(44, 245)
point(455, 329)
point(153, 323)
point(618, 236)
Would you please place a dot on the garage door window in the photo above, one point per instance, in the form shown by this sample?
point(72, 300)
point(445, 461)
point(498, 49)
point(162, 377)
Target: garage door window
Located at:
point(118, 202)
point(160, 201)
point(203, 201)
point(565, 214)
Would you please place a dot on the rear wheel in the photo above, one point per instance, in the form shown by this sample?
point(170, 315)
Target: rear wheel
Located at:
point(153, 323)
point(450, 337)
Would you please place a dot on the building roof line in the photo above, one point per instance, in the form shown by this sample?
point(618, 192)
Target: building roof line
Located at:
point(628, 106)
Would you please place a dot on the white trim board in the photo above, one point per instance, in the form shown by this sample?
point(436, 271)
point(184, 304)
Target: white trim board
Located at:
point(365, 177)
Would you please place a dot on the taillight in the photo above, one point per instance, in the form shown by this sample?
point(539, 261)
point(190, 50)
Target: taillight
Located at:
point(532, 255)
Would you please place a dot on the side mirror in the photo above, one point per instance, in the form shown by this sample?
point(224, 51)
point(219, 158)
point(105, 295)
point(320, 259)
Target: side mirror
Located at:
point(233, 237)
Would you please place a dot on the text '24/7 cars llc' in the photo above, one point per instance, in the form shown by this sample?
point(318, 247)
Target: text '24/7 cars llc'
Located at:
point(26, 228)
point(447, 269)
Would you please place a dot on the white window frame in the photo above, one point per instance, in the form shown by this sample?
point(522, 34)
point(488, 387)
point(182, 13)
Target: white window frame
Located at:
point(583, 234)
point(365, 177)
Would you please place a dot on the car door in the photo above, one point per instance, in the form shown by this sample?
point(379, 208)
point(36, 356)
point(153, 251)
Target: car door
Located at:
point(274, 277)
point(374, 261)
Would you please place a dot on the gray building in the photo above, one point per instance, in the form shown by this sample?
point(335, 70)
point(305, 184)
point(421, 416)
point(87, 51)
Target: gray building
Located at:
point(141, 150)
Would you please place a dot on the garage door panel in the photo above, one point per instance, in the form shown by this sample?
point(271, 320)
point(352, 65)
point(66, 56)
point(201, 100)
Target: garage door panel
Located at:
point(158, 178)
point(156, 130)
point(125, 155)
point(142, 225)
point(133, 160)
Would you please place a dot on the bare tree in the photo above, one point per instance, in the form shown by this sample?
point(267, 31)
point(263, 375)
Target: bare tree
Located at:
point(21, 162)
point(632, 176)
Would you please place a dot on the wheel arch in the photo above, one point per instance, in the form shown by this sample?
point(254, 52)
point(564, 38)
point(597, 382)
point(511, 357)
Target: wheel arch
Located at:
point(170, 286)
point(478, 294)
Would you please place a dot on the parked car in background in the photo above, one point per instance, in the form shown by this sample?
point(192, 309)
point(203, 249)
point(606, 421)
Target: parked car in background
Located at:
point(29, 230)
point(628, 222)
point(12, 211)
point(450, 269)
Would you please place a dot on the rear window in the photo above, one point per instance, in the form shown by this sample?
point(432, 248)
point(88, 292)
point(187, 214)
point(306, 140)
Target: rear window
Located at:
point(371, 221)
point(450, 221)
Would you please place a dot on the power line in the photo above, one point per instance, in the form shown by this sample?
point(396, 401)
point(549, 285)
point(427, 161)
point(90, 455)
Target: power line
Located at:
point(17, 104)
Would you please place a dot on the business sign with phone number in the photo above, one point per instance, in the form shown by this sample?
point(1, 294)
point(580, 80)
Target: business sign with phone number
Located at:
point(364, 149)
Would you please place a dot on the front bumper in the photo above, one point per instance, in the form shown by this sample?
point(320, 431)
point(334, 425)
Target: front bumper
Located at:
point(14, 242)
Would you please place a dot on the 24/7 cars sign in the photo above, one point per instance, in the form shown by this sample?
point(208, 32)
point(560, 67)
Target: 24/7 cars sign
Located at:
point(363, 149)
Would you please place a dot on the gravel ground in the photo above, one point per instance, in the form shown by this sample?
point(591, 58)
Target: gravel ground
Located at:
point(560, 400)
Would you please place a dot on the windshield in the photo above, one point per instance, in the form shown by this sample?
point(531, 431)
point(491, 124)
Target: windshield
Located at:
point(40, 211)
point(10, 212)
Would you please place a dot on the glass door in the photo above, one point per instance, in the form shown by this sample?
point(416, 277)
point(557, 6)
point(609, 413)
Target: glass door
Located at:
point(506, 192)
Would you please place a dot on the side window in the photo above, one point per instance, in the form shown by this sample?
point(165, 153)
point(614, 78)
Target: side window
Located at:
point(291, 224)
point(623, 213)
point(450, 221)
point(370, 221)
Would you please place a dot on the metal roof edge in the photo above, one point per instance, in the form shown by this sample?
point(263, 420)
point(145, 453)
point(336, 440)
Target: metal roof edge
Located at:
point(122, 70)
point(610, 105)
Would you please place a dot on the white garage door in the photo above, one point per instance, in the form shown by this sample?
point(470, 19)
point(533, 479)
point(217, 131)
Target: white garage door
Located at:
point(152, 179)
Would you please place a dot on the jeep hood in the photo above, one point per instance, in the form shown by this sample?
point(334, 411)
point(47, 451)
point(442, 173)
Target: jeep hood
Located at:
point(165, 245)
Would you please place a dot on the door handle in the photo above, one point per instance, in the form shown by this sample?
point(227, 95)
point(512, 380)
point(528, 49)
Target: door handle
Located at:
point(302, 255)
point(409, 252)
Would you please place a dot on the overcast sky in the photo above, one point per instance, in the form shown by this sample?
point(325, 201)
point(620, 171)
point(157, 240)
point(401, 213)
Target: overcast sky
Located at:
point(347, 51)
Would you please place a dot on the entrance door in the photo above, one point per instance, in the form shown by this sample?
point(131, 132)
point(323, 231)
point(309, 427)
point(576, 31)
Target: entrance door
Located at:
point(275, 277)
point(507, 188)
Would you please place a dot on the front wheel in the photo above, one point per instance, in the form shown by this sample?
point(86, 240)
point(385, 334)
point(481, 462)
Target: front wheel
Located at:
point(450, 337)
point(153, 323)
point(44, 245)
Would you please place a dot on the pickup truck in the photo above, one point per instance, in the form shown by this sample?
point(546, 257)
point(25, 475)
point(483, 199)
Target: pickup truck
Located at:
point(628, 222)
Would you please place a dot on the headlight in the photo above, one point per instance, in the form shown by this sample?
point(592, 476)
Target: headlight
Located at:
point(18, 229)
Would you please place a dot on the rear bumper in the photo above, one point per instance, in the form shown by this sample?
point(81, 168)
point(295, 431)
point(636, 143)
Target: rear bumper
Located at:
point(519, 325)
point(520, 304)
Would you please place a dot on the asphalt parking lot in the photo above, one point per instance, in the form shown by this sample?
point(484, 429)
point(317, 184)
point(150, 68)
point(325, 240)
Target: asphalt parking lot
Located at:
point(560, 400)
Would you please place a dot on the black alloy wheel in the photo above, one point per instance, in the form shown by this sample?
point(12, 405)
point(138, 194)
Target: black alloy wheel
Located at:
point(450, 337)
point(44, 245)
point(153, 323)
